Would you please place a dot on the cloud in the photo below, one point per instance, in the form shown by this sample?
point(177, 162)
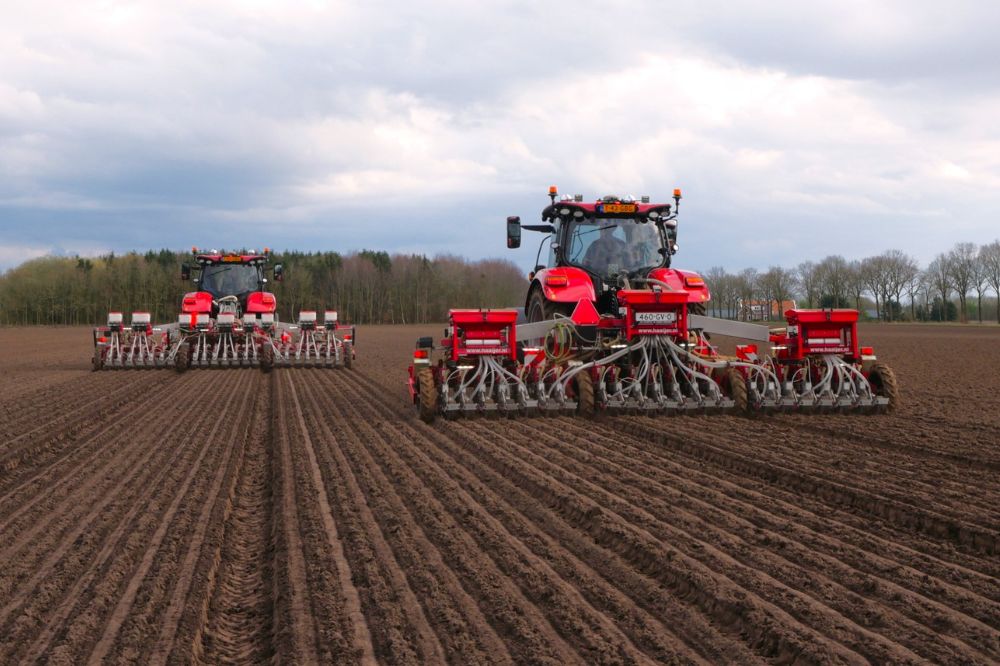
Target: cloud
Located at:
point(841, 127)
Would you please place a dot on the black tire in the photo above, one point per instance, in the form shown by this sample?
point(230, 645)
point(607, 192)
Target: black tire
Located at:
point(735, 386)
point(697, 309)
point(584, 394)
point(182, 359)
point(427, 398)
point(884, 383)
point(97, 362)
point(542, 309)
point(266, 358)
point(348, 355)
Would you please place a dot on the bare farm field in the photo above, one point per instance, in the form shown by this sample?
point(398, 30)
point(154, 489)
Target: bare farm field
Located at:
point(308, 516)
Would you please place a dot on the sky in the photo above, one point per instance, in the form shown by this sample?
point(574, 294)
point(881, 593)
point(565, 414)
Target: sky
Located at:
point(795, 130)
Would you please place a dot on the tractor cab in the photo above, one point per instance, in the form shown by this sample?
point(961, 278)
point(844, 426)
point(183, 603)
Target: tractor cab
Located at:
point(231, 277)
point(597, 248)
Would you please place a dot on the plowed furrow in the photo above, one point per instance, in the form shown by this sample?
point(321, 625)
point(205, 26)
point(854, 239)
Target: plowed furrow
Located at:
point(872, 533)
point(81, 566)
point(901, 514)
point(549, 539)
point(873, 604)
point(520, 594)
point(32, 419)
point(128, 622)
point(888, 438)
point(885, 567)
point(402, 630)
point(235, 624)
point(855, 466)
point(76, 462)
point(314, 549)
point(174, 637)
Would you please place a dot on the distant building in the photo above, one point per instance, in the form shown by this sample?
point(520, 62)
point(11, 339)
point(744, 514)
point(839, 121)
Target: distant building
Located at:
point(763, 310)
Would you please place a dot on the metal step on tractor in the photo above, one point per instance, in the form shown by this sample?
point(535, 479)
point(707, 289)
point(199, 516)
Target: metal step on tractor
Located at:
point(613, 327)
point(230, 320)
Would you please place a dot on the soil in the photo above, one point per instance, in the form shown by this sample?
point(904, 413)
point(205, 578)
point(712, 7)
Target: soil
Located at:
point(308, 515)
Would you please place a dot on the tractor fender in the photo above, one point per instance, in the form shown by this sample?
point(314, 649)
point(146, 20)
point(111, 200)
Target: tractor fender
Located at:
point(261, 301)
point(563, 284)
point(688, 281)
point(196, 302)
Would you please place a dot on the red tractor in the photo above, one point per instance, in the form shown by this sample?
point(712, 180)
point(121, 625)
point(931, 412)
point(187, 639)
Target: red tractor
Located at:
point(231, 320)
point(597, 248)
point(612, 327)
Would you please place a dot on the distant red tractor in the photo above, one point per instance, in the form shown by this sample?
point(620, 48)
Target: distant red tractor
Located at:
point(231, 320)
point(612, 327)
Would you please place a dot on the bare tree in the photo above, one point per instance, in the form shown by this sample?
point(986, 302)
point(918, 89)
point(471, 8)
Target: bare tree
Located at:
point(989, 258)
point(939, 276)
point(900, 269)
point(962, 268)
point(808, 280)
point(777, 284)
point(833, 279)
point(856, 283)
point(717, 284)
point(980, 273)
point(748, 287)
point(873, 276)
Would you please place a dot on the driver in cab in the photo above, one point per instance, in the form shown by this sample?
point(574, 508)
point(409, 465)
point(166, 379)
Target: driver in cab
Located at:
point(606, 251)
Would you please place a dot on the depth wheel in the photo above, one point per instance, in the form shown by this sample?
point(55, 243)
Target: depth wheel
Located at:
point(428, 396)
point(736, 385)
point(584, 394)
point(182, 359)
point(884, 383)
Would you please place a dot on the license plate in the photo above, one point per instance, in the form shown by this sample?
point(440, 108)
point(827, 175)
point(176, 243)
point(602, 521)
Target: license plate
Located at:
point(655, 317)
point(619, 208)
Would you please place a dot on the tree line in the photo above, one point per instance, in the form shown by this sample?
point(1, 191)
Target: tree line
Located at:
point(368, 287)
point(891, 286)
point(374, 287)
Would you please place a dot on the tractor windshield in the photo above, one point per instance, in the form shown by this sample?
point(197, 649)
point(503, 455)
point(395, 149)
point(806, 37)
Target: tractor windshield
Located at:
point(609, 246)
point(229, 279)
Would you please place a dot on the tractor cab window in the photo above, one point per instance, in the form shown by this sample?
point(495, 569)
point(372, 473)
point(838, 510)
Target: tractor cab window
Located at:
point(609, 246)
point(229, 279)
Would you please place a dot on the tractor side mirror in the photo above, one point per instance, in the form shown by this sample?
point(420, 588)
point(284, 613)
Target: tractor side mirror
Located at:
point(185, 271)
point(279, 272)
point(513, 232)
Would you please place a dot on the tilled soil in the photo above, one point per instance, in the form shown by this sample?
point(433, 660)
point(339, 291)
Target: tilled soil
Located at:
point(307, 516)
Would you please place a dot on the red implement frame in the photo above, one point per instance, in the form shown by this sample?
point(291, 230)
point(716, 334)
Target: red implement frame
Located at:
point(818, 332)
point(482, 332)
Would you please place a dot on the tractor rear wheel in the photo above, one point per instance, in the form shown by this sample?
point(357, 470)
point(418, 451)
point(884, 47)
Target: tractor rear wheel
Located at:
point(542, 309)
point(428, 397)
point(182, 359)
point(883, 381)
point(98, 360)
point(266, 358)
point(736, 386)
point(584, 394)
point(697, 309)
point(348, 354)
